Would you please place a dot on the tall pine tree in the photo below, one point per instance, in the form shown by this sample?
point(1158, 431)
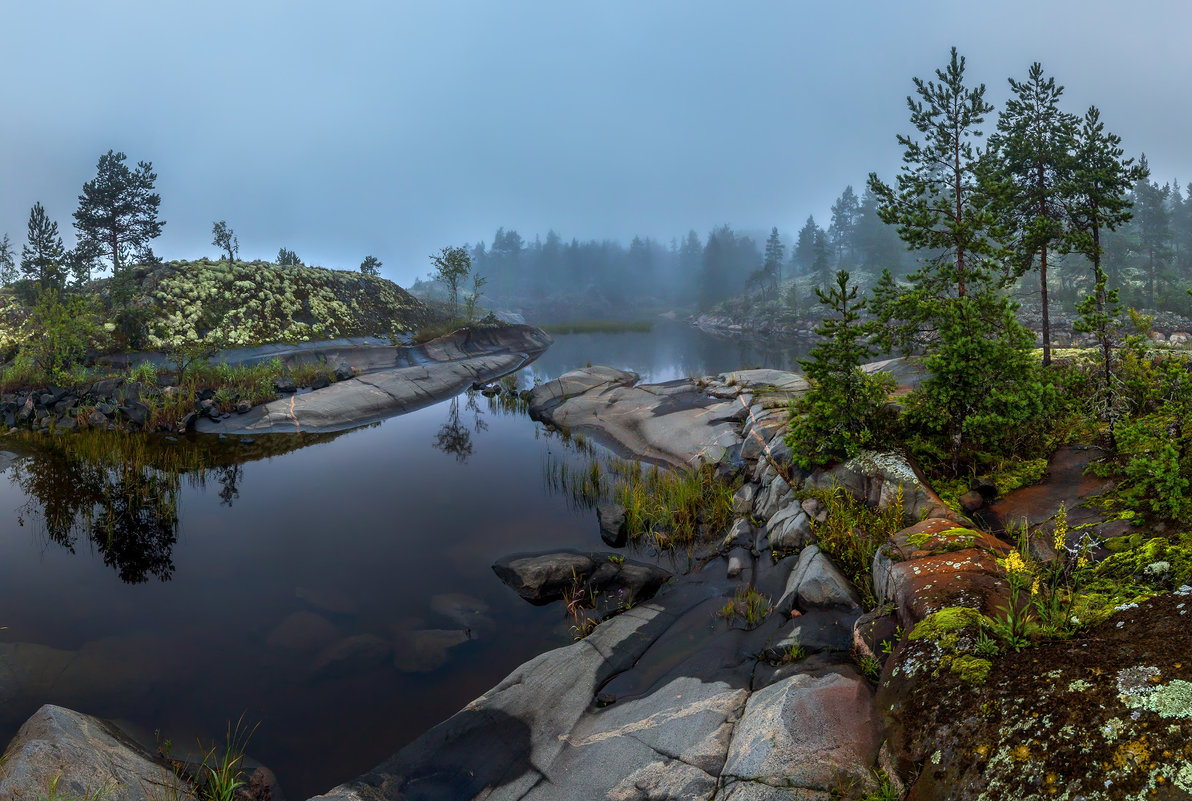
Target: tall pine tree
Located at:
point(117, 214)
point(43, 256)
point(1030, 158)
point(1098, 196)
point(772, 260)
point(940, 205)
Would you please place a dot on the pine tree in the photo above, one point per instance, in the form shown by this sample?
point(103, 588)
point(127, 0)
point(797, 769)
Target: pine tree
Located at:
point(288, 258)
point(117, 213)
point(43, 256)
point(1027, 171)
point(839, 413)
point(772, 261)
point(982, 391)
point(940, 206)
point(821, 264)
point(1100, 315)
point(372, 265)
point(803, 254)
point(225, 239)
point(1098, 197)
point(845, 212)
point(8, 267)
point(984, 399)
point(1150, 203)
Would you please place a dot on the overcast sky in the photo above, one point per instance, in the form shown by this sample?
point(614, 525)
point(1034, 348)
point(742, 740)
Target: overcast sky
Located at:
point(394, 128)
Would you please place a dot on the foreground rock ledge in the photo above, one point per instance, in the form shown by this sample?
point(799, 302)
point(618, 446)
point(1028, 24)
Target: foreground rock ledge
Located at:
point(420, 375)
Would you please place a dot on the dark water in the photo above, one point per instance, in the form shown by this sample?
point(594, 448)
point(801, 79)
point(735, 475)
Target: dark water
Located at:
point(218, 578)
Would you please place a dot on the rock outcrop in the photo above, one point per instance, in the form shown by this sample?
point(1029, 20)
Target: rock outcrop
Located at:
point(60, 753)
point(418, 376)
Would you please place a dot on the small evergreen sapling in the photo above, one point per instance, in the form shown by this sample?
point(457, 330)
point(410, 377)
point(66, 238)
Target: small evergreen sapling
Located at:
point(837, 415)
point(1100, 315)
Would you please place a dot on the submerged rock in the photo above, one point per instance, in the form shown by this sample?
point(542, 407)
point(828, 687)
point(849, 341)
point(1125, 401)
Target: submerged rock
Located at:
point(355, 654)
point(303, 631)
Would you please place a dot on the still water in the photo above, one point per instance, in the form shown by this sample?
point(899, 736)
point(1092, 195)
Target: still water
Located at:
point(336, 590)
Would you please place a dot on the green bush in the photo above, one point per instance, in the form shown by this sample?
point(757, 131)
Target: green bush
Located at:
point(61, 330)
point(986, 400)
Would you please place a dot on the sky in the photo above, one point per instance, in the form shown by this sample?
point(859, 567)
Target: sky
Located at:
point(395, 128)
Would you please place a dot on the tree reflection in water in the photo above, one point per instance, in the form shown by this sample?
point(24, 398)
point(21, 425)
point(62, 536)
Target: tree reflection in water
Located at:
point(453, 437)
point(119, 492)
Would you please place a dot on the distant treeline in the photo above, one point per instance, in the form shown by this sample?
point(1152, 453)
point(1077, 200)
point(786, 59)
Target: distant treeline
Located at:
point(691, 270)
point(1149, 258)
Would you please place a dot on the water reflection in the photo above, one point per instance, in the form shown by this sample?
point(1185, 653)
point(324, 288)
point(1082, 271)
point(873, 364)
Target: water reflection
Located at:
point(119, 493)
point(671, 350)
point(454, 437)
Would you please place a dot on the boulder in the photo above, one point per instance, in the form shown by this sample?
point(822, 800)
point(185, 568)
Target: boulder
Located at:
point(743, 499)
point(97, 419)
point(424, 650)
point(284, 385)
point(343, 372)
point(936, 564)
point(739, 534)
point(303, 631)
point(613, 529)
point(972, 500)
point(673, 424)
point(776, 496)
point(320, 382)
point(789, 529)
point(808, 732)
point(61, 753)
point(816, 582)
point(135, 412)
point(816, 631)
point(606, 579)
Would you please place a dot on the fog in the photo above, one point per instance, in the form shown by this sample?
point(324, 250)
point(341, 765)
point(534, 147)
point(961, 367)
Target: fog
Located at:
point(393, 129)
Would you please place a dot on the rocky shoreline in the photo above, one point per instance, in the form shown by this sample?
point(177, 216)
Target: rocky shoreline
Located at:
point(366, 381)
point(822, 694)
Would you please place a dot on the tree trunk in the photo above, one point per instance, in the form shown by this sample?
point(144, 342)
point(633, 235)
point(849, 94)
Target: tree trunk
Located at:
point(1043, 302)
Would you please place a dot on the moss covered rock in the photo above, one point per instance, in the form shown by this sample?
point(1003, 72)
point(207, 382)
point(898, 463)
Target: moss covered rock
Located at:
point(1105, 716)
point(247, 303)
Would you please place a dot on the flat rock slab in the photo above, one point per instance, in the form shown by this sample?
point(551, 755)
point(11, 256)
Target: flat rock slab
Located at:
point(674, 424)
point(431, 372)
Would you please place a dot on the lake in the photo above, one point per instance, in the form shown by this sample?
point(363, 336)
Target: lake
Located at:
point(334, 591)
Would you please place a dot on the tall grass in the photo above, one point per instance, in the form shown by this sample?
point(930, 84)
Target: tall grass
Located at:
point(665, 508)
point(852, 533)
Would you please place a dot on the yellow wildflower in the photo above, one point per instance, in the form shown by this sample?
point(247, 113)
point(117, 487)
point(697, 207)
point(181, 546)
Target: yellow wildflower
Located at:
point(1061, 528)
point(1015, 565)
point(1035, 586)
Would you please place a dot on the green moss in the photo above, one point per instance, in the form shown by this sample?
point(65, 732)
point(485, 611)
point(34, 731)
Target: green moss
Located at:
point(951, 620)
point(1138, 562)
point(971, 669)
point(1019, 473)
point(956, 539)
